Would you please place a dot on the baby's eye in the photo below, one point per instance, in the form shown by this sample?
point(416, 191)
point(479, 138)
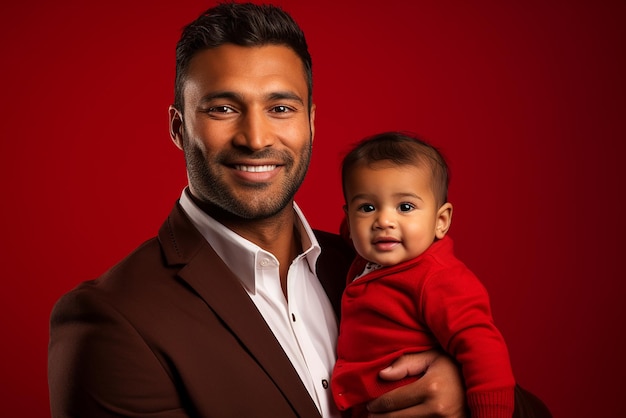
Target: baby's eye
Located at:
point(367, 208)
point(406, 207)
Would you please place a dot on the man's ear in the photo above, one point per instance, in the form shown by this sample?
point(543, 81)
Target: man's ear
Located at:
point(444, 220)
point(176, 126)
point(312, 121)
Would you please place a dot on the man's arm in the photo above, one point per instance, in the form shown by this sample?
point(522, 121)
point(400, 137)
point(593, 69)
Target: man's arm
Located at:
point(439, 392)
point(99, 366)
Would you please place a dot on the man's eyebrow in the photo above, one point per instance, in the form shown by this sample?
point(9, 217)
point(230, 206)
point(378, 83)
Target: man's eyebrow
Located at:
point(285, 95)
point(226, 94)
point(221, 95)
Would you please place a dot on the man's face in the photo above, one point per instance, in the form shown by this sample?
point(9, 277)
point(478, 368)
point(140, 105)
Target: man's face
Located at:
point(246, 130)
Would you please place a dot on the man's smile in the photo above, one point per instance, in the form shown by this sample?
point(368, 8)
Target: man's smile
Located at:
point(255, 168)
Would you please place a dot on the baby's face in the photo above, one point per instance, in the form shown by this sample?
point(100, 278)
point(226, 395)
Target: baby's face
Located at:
point(392, 211)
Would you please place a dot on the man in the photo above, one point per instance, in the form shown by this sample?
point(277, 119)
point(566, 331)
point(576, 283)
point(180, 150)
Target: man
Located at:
point(232, 310)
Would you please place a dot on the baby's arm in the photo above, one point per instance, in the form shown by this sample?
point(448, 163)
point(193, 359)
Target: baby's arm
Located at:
point(456, 308)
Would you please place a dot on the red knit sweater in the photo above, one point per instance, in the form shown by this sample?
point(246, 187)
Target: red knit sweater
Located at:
point(431, 301)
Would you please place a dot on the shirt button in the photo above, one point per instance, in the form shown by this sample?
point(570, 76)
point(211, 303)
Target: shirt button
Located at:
point(264, 262)
point(325, 383)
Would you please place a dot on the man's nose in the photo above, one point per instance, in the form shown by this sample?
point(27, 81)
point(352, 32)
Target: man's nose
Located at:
point(255, 131)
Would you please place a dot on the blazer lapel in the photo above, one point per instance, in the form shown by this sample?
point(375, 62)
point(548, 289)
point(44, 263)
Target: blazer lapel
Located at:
point(207, 274)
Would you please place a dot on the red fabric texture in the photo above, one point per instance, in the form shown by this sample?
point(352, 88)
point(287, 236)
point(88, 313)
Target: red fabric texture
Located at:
point(431, 301)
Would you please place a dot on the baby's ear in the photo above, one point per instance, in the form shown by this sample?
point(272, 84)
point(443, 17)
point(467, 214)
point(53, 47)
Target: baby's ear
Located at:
point(444, 219)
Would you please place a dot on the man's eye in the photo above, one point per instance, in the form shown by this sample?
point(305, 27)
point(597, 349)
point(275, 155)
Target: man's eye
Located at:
point(367, 208)
point(406, 207)
point(281, 109)
point(220, 109)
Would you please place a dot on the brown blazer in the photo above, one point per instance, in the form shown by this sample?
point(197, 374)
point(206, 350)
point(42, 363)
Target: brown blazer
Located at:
point(170, 332)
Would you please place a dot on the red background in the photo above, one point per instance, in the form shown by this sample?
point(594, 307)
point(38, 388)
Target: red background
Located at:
point(526, 99)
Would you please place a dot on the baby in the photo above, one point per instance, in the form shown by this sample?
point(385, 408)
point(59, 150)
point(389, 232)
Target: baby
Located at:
point(406, 290)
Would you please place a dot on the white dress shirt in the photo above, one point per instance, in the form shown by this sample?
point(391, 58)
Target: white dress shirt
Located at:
point(305, 326)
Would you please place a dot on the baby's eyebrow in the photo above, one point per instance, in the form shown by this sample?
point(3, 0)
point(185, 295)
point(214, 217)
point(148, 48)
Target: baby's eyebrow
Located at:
point(413, 195)
point(361, 196)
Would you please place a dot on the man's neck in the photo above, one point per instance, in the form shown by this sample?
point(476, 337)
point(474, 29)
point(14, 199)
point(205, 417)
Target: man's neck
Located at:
point(276, 234)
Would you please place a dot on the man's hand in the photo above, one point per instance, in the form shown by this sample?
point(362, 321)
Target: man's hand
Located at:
point(438, 393)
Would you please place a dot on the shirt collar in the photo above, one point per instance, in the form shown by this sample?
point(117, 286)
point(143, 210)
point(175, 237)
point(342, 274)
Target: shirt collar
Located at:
point(239, 254)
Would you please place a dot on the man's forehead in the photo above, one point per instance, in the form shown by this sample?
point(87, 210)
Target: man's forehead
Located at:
point(234, 59)
point(271, 70)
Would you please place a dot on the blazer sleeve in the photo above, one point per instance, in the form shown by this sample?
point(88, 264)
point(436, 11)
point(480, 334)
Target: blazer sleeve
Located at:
point(99, 365)
point(528, 405)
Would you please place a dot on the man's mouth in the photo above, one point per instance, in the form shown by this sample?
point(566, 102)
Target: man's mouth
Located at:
point(255, 168)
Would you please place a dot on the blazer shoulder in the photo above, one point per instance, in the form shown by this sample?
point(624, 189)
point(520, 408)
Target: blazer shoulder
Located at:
point(333, 264)
point(334, 243)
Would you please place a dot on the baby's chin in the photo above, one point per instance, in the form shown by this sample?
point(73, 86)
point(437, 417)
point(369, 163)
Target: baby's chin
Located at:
point(388, 260)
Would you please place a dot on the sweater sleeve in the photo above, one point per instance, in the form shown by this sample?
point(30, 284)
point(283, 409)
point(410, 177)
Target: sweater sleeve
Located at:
point(455, 306)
